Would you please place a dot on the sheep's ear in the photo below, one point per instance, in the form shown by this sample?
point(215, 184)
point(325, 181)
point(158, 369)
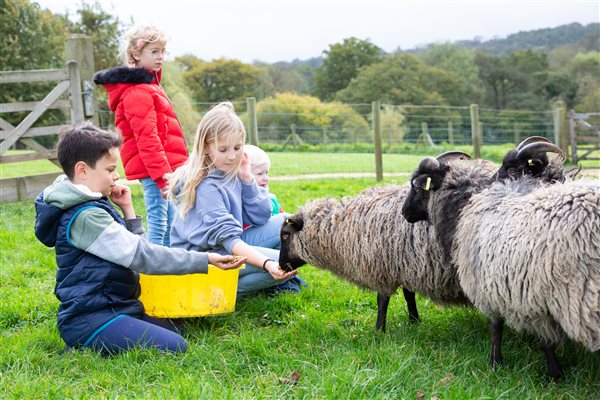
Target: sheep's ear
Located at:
point(295, 221)
point(422, 182)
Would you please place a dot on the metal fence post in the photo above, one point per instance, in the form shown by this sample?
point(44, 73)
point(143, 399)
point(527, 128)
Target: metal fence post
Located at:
point(376, 110)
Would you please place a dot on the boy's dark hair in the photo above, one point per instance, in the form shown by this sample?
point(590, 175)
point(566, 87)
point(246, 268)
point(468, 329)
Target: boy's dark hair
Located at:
point(86, 143)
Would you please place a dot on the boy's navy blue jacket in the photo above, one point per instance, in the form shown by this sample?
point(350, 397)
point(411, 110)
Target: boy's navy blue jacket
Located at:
point(98, 254)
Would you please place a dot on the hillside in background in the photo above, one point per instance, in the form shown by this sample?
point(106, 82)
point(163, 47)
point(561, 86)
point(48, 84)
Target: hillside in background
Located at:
point(584, 38)
point(580, 37)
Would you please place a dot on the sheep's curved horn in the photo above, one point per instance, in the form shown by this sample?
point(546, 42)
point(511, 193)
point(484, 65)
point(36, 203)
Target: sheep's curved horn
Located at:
point(428, 163)
point(534, 149)
point(532, 139)
point(448, 156)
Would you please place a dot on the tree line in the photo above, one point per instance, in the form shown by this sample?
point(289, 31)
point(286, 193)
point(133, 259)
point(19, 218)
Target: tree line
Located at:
point(352, 71)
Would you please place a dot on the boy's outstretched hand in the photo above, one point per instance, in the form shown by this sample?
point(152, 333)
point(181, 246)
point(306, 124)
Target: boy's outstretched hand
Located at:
point(225, 262)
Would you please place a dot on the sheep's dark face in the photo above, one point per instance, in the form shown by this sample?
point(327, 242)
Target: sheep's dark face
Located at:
point(514, 167)
point(288, 259)
point(529, 158)
point(428, 177)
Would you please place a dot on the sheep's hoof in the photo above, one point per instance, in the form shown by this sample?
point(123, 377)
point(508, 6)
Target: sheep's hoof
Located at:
point(495, 362)
point(555, 374)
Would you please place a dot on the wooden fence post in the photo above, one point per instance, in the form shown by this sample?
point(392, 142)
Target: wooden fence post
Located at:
point(573, 137)
point(376, 110)
point(79, 48)
point(325, 137)
point(517, 132)
point(424, 138)
point(559, 113)
point(252, 122)
point(475, 131)
point(450, 133)
point(75, 91)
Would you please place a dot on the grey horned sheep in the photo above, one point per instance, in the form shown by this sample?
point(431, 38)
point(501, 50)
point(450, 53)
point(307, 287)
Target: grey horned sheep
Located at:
point(527, 253)
point(365, 241)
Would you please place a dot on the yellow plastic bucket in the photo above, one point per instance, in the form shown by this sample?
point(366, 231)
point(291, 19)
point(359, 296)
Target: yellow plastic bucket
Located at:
point(192, 295)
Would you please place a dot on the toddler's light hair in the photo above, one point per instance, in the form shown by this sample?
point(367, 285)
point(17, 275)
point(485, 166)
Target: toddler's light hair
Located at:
point(219, 123)
point(138, 37)
point(257, 156)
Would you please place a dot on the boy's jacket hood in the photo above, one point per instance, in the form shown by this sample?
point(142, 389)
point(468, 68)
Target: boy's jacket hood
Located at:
point(117, 80)
point(53, 201)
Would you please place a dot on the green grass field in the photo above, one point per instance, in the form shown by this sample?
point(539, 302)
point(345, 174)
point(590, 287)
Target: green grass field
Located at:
point(306, 163)
point(326, 332)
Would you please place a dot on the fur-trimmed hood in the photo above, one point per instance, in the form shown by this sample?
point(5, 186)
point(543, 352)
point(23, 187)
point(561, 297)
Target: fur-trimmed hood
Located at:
point(124, 75)
point(117, 80)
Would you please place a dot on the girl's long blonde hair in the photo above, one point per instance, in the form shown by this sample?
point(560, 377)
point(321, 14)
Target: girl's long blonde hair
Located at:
point(220, 122)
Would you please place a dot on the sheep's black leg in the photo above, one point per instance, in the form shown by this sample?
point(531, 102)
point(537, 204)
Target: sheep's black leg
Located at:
point(383, 300)
point(413, 313)
point(497, 326)
point(554, 369)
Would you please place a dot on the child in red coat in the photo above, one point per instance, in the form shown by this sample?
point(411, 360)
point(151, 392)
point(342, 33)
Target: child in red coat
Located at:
point(153, 142)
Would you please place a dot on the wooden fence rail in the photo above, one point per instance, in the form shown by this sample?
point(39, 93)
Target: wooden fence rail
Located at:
point(69, 85)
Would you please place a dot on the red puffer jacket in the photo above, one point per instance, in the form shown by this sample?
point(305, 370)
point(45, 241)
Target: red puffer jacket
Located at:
point(153, 142)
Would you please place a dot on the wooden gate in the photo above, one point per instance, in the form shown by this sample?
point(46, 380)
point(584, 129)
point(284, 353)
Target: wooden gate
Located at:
point(584, 132)
point(69, 83)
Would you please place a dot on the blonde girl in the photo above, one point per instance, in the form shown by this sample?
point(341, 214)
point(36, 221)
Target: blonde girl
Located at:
point(153, 141)
point(217, 195)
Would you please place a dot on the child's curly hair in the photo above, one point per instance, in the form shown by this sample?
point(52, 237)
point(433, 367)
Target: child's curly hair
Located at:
point(138, 37)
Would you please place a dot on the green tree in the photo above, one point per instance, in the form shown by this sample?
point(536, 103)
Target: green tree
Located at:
point(585, 68)
point(392, 124)
point(31, 38)
point(312, 120)
point(221, 80)
point(279, 78)
point(104, 29)
point(181, 97)
point(519, 80)
point(287, 79)
point(558, 86)
point(495, 78)
point(342, 63)
point(461, 62)
point(188, 61)
point(402, 79)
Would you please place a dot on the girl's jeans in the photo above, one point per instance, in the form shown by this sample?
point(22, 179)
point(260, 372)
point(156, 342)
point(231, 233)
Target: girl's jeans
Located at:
point(159, 213)
point(265, 239)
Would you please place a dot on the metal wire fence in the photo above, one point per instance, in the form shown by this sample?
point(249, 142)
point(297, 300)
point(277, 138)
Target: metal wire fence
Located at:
point(402, 126)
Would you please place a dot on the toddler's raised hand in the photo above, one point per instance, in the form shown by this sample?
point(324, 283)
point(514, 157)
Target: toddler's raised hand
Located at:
point(245, 171)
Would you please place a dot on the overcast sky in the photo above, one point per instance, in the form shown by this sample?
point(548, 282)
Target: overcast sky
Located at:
point(282, 30)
